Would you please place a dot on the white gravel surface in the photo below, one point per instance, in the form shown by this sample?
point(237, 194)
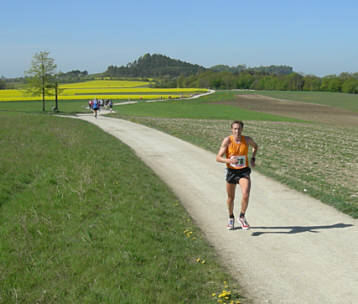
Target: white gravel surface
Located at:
point(298, 249)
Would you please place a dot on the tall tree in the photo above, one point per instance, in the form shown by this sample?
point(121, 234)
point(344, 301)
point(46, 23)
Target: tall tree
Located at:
point(2, 84)
point(40, 75)
point(55, 89)
point(311, 83)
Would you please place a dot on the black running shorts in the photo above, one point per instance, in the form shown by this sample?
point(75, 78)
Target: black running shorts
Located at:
point(233, 175)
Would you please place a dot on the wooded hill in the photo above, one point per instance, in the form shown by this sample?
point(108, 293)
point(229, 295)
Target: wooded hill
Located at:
point(154, 66)
point(158, 66)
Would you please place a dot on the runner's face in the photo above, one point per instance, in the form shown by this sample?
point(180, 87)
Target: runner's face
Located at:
point(236, 130)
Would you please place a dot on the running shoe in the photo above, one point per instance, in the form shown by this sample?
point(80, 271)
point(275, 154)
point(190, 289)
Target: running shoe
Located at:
point(231, 223)
point(244, 224)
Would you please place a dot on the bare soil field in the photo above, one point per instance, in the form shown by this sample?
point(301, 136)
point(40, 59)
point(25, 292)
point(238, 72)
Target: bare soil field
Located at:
point(296, 109)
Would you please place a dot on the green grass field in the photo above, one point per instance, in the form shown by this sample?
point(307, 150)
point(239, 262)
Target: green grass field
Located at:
point(75, 230)
point(70, 216)
point(65, 106)
point(180, 109)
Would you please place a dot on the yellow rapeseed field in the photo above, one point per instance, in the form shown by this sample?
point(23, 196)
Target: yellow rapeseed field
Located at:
point(105, 89)
point(105, 84)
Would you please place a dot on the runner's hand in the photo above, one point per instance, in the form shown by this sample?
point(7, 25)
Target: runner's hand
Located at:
point(233, 160)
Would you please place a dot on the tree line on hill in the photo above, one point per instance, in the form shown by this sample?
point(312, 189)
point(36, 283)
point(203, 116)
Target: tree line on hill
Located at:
point(169, 73)
point(68, 77)
point(345, 82)
point(271, 70)
point(73, 76)
point(160, 66)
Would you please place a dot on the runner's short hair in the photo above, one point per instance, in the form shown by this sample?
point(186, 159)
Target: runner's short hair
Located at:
point(237, 122)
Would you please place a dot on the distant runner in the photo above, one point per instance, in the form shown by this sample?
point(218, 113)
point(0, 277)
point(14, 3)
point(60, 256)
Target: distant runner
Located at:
point(95, 107)
point(235, 147)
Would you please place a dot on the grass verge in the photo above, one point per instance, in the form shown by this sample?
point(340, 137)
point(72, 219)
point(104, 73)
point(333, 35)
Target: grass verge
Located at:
point(65, 106)
point(75, 230)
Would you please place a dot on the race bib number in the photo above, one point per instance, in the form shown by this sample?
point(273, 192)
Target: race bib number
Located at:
point(241, 161)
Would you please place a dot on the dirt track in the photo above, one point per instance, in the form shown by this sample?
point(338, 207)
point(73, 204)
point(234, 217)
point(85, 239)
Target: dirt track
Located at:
point(295, 109)
point(298, 250)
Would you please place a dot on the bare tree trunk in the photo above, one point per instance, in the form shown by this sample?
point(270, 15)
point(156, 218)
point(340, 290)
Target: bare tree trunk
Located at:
point(43, 94)
point(56, 94)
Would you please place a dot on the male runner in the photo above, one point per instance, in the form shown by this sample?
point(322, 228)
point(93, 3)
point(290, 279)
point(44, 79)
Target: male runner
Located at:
point(235, 147)
point(95, 106)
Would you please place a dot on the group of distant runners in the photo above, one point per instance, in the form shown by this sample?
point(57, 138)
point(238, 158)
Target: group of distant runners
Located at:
point(96, 104)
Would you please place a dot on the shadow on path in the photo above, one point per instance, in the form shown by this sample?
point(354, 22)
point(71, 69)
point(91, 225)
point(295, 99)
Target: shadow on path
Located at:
point(297, 229)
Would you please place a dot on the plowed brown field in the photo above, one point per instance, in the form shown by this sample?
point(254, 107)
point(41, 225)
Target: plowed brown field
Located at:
point(295, 109)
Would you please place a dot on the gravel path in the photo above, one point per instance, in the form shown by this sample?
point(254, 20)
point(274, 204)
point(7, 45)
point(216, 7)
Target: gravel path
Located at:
point(155, 100)
point(298, 249)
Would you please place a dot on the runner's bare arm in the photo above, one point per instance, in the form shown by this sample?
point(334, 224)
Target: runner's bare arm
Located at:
point(220, 156)
point(255, 147)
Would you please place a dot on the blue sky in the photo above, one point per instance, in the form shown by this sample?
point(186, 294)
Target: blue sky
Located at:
point(314, 37)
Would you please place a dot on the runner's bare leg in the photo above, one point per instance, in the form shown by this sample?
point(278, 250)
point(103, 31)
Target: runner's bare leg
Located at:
point(230, 189)
point(245, 185)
